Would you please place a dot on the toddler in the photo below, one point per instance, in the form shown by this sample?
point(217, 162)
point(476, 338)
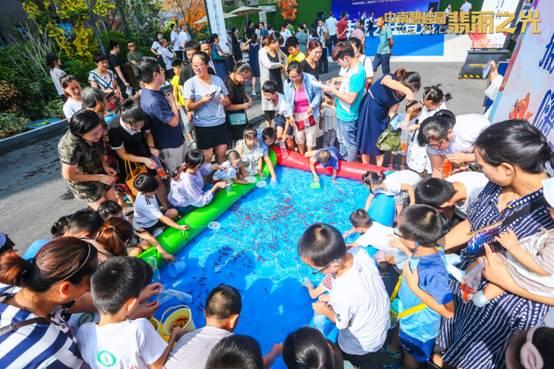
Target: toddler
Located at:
point(232, 170)
point(328, 120)
point(267, 138)
point(251, 152)
point(326, 157)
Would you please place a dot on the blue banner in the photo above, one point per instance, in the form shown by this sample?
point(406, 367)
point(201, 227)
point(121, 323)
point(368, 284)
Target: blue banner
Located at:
point(355, 8)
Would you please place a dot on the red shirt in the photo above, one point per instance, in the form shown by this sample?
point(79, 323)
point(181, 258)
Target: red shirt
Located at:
point(342, 25)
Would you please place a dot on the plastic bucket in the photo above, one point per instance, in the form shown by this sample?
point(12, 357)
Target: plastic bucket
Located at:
point(158, 326)
point(179, 315)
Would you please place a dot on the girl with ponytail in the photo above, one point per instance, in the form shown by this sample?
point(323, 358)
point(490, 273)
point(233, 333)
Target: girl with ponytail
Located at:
point(307, 348)
point(114, 238)
point(32, 294)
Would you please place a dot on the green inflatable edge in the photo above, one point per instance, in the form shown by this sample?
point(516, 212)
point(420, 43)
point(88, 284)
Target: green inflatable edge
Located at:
point(173, 240)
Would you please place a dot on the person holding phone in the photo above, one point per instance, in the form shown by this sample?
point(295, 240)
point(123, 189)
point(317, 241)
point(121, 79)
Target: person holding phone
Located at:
point(207, 97)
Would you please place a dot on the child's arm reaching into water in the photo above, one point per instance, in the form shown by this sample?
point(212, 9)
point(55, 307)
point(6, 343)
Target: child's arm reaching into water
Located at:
point(410, 190)
point(510, 242)
point(154, 242)
point(314, 292)
point(368, 201)
point(310, 155)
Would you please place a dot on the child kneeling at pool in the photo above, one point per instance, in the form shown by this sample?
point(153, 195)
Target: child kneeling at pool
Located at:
point(326, 157)
point(117, 340)
point(267, 138)
point(424, 296)
point(396, 184)
point(187, 184)
point(358, 302)
point(251, 152)
point(148, 216)
point(232, 170)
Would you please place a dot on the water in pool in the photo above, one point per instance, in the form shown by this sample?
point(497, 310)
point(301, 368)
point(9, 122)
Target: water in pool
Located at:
point(255, 250)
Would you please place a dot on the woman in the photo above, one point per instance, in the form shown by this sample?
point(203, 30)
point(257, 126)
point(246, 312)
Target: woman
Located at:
point(271, 64)
point(103, 78)
point(434, 99)
point(82, 153)
point(218, 57)
point(252, 46)
point(513, 155)
point(307, 348)
point(250, 30)
point(380, 104)
point(303, 101)
point(33, 295)
point(207, 96)
point(365, 61)
point(302, 37)
point(72, 90)
point(235, 44)
point(236, 111)
point(310, 64)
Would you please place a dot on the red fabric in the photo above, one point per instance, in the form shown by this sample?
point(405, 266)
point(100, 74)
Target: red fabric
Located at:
point(341, 26)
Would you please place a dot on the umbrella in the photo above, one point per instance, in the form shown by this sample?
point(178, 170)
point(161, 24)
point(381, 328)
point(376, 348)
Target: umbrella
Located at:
point(204, 19)
point(245, 10)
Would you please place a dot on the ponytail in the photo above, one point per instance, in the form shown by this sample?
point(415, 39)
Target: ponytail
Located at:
point(14, 270)
point(114, 235)
point(412, 80)
point(373, 178)
point(435, 94)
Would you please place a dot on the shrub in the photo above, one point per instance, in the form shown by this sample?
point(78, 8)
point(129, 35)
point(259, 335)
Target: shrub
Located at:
point(8, 97)
point(54, 108)
point(11, 123)
point(79, 67)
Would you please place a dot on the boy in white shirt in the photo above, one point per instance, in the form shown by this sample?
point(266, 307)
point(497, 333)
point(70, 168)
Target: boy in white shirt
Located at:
point(116, 341)
point(278, 113)
point(358, 302)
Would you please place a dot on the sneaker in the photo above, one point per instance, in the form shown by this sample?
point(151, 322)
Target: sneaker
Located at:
point(254, 93)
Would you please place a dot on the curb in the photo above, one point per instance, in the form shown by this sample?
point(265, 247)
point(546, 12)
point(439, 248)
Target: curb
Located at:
point(29, 137)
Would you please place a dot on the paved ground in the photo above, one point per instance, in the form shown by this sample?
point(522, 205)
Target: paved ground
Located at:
point(31, 187)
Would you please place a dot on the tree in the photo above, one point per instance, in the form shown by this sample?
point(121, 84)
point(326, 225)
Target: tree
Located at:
point(191, 11)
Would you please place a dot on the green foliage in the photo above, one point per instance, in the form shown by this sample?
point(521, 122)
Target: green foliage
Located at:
point(80, 68)
point(12, 123)
point(54, 108)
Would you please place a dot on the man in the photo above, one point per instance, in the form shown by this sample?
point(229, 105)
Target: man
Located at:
point(163, 113)
point(116, 66)
point(323, 36)
point(263, 30)
point(371, 24)
point(382, 57)
point(466, 6)
point(342, 27)
point(331, 25)
point(293, 49)
point(285, 34)
point(183, 38)
point(133, 57)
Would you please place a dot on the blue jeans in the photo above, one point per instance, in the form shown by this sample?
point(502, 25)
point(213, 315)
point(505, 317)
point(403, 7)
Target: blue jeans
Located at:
point(346, 135)
point(384, 61)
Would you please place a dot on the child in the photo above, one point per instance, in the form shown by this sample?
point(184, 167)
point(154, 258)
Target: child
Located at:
point(328, 120)
point(452, 195)
point(110, 209)
point(266, 138)
point(116, 340)
point(148, 216)
point(424, 295)
point(177, 66)
point(232, 170)
point(278, 112)
point(358, 302)
point(392, 184)
point(187, 185)
point(251, 152)
point(326, 157)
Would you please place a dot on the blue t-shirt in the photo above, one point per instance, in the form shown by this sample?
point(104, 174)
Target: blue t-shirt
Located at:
point(353, 81)
point(211, 114)
point(384, 35)
point(34, 248)
point(155, 104)
point(334, 157)
point(433, 279)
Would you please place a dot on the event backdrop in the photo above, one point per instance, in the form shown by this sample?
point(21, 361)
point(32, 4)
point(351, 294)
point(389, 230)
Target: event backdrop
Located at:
point(528, 89)
point(356, 7)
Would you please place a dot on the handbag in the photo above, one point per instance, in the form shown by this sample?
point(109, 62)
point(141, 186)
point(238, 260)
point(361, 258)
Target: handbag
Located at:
point(389, 140)
point(301, 123)
point(237, 119)
point(132, 174)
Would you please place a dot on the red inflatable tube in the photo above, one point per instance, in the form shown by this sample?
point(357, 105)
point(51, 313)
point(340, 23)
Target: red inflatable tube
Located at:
point(347, 169)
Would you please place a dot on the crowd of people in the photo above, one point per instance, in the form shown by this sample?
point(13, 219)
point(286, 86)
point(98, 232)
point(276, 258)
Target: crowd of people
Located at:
point(470, 240)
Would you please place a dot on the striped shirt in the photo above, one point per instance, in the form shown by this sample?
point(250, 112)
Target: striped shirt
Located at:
point(38, 345)
point(476, 337)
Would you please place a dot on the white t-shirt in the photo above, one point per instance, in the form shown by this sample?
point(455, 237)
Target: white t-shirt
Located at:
point(56, 74)
point(147, 211)
point(331, 24)
point(167, 56)
point(394, 181)
point(280, 108)
point(494, 87)
point(193, 349)
point(466, 7)
point(361, 306)
point(250, 157)
point(474, 182)
point(465, 132)
point(71, 107)
point(129, 344)
point(378, 236)
point(286, 34)
point(183, 38)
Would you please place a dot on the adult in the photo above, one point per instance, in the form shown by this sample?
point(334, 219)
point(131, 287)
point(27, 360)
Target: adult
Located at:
point(235, 44)
point(302, 37)
point(450, 137)
point(307, 348)
point(359, 32)
point(303, 99)
point(383, 53)
point(133, 57)
point(513, 155)
point(132, 140)
point(381, 103)
point(218, 57)
point(72, 90)
point(81, 152)
point(271, 65)
point(105, 79)
point(174, 37)
point(285, 34)
point(331, 25)
point(183, 38)
point(371, 24)
point(263, 30)
point(117, 66)
point(252, 46)
point(342, 27)
point(365, 61)
point(207, 96)
point(250, 30)
point(93, 99)
point(310, 64)
point(167, 56)
point(466, 6)
point(348, 98)
point(155, 48)
point(164, 114)
point(187, 73)
point(323, 36)
point(32, 298)
point(240, 101)
point(434, 99)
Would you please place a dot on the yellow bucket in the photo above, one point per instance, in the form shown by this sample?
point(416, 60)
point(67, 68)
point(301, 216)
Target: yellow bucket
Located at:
point(158, 326)
point(179, 315)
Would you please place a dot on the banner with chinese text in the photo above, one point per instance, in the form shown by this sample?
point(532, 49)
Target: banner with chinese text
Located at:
point(355, 8)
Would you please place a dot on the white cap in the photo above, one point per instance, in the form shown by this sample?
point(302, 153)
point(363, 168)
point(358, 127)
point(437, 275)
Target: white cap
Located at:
point(548, 190)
